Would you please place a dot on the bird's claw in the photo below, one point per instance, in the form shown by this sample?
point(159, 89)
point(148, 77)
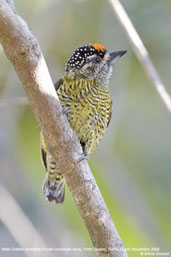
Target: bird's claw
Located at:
point(66, 111)
point(84, 156)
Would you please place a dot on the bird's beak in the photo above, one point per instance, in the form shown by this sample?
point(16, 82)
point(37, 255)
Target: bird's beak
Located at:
point(113, 57)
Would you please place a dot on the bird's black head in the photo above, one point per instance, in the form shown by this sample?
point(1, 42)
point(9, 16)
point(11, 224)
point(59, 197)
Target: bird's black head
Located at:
point(92, 62)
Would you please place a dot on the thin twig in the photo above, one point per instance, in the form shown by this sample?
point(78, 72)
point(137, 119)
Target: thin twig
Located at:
point(23, 50)
point(20, 226)
point(141, 52)
point(14, 101)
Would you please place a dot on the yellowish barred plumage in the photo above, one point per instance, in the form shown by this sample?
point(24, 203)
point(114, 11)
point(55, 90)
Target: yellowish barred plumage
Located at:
point(86, 102)
point(89, 110)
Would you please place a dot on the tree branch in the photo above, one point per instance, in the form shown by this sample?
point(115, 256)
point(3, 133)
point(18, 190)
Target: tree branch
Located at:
point(23, 50)
point(141, 52)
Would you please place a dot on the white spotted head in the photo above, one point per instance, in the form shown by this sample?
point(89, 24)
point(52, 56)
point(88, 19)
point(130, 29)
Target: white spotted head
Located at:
point(92, 61)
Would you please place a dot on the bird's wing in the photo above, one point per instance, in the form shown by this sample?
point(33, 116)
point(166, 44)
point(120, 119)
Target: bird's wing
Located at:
point(110, 114)
point(58, 83)
point(43, 157)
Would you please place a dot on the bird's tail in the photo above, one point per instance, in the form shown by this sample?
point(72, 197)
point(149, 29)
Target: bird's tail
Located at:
point(54, 190)
point(54, 182)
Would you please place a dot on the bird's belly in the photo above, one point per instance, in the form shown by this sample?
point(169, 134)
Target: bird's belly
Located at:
point(88, 124)
point(82, 120)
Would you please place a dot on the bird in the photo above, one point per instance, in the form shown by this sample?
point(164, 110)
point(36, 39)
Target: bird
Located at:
point(84, 96)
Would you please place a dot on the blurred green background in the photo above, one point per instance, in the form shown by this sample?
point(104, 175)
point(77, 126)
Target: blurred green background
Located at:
point(132, 165)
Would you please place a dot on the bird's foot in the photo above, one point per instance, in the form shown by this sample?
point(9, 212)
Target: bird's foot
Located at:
point(84, 156)
point(66, 111)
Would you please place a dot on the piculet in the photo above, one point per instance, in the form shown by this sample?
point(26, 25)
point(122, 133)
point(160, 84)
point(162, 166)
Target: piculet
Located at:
point(83, 94)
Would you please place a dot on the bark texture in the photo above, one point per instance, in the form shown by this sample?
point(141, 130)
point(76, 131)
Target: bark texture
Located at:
point(22, 49)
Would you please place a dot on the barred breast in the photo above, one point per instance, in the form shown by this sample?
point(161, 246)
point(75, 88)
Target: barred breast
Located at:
point(88, 108)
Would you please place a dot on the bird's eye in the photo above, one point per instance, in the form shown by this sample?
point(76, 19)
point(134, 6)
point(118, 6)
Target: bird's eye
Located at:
point(97, 59)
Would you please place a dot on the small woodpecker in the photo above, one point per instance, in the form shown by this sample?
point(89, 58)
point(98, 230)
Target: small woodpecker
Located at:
point(83, 94)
